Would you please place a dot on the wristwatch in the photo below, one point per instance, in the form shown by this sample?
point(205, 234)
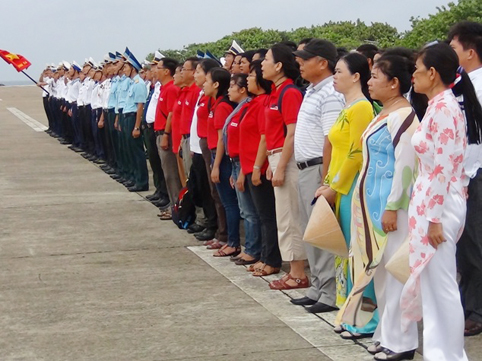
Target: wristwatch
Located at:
point(136, 128)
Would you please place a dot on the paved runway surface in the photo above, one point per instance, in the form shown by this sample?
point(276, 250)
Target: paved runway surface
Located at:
point(88, 272)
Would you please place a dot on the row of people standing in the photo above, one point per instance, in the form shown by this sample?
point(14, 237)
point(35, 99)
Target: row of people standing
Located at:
point(98, 111)
point(258, 149)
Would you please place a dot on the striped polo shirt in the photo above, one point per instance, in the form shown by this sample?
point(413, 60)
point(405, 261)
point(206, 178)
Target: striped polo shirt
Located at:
point(320, 108)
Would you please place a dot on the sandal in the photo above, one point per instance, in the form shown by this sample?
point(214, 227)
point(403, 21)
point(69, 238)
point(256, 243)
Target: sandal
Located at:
point(216, 245)
point(235, 258)
point(282, 284)
point(375, 348)
point(221, 253)
point(210, 242)
point(245, 262)
point(165, 215)
point(255, 267)
point(347, 335)
point(261, 272)
point(339, 329)
point(472, 328)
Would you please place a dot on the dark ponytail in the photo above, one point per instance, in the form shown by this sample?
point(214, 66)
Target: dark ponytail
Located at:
point(445, 61)
point(358, 63)
point(471, 106)
point(284, 55)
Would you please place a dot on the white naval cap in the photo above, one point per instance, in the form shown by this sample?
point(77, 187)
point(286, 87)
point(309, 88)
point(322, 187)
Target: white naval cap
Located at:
point(76, 66)
point(157, 57)
point(66, 65)
point(235, 49)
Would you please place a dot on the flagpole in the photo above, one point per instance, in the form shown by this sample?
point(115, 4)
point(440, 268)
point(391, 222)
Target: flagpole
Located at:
point(32, 79)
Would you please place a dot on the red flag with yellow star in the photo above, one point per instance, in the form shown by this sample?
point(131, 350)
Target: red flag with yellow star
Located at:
point(17, 60)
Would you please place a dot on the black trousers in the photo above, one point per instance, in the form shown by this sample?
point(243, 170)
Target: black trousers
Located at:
point(85, 117)
point(203, 190)
point(263, 199)
point(54, 111)
point(68, 128)
point(48, 113)
point(155, 161)
point(469, 253)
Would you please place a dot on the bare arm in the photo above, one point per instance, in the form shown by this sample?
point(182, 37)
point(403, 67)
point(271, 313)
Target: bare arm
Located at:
point(326, 156)
point(286, 154)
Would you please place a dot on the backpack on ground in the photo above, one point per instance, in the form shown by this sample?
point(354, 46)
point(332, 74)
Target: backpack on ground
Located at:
point(184, 210)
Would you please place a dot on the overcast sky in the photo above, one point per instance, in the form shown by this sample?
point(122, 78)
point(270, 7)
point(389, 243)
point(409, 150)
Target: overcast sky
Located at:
point(46, 31)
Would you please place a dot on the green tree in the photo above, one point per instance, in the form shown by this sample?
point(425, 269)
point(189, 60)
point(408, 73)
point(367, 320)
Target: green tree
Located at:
point(349, 34)
point(436, 26)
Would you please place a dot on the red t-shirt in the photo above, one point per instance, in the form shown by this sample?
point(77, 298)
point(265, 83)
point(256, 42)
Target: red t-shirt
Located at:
point(176, 120)
point(217, 116)
point(192, 93)
point(250, 130)
point(167, 98)
point(202, 116)
point(233, 131)
point(275, 121)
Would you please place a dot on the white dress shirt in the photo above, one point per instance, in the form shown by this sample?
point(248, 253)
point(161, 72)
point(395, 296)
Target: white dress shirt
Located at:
point(473, 153)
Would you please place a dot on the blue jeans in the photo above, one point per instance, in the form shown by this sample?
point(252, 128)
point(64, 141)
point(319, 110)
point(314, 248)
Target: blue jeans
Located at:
point(228, 199)
point(252, 223)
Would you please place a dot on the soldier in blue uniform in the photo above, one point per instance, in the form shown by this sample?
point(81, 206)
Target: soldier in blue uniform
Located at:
point(117, 64)
point(132, 112)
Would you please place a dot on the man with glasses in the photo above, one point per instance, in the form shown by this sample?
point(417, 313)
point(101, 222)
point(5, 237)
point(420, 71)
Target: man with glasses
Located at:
point(187, 112)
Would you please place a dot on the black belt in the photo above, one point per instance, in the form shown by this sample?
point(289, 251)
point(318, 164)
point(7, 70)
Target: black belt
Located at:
point(150, 125)
point(235, 159)
point(159, 132)
point(186, 136)
point(309, 163)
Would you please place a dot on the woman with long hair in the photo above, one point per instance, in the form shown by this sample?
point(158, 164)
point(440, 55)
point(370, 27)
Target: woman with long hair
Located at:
point(280, 67)
point(380, 205)
point(216, 86)
point(438, 204)
point(214, 238)
point(351, 76)
point(254, 165)
point(238, 93)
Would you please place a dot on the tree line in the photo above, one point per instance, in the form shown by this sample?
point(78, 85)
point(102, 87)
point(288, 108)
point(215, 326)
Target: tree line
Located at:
point(347, 34)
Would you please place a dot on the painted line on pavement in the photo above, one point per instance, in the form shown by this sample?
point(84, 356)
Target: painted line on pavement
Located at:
point(315, 329)
point(32, 123)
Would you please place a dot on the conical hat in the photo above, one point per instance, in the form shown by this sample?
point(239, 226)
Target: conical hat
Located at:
point(323, 230)
point(398, 265)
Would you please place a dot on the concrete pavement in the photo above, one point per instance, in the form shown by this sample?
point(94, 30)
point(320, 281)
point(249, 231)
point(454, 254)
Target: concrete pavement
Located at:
point(88, 272)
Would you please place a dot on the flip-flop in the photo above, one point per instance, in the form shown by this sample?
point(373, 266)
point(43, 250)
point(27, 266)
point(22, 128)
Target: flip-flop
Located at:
point(245, 262)
point(221, 253)
point(216, 245)
point(338, 329)
point(165, 216)
point(347, 335)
